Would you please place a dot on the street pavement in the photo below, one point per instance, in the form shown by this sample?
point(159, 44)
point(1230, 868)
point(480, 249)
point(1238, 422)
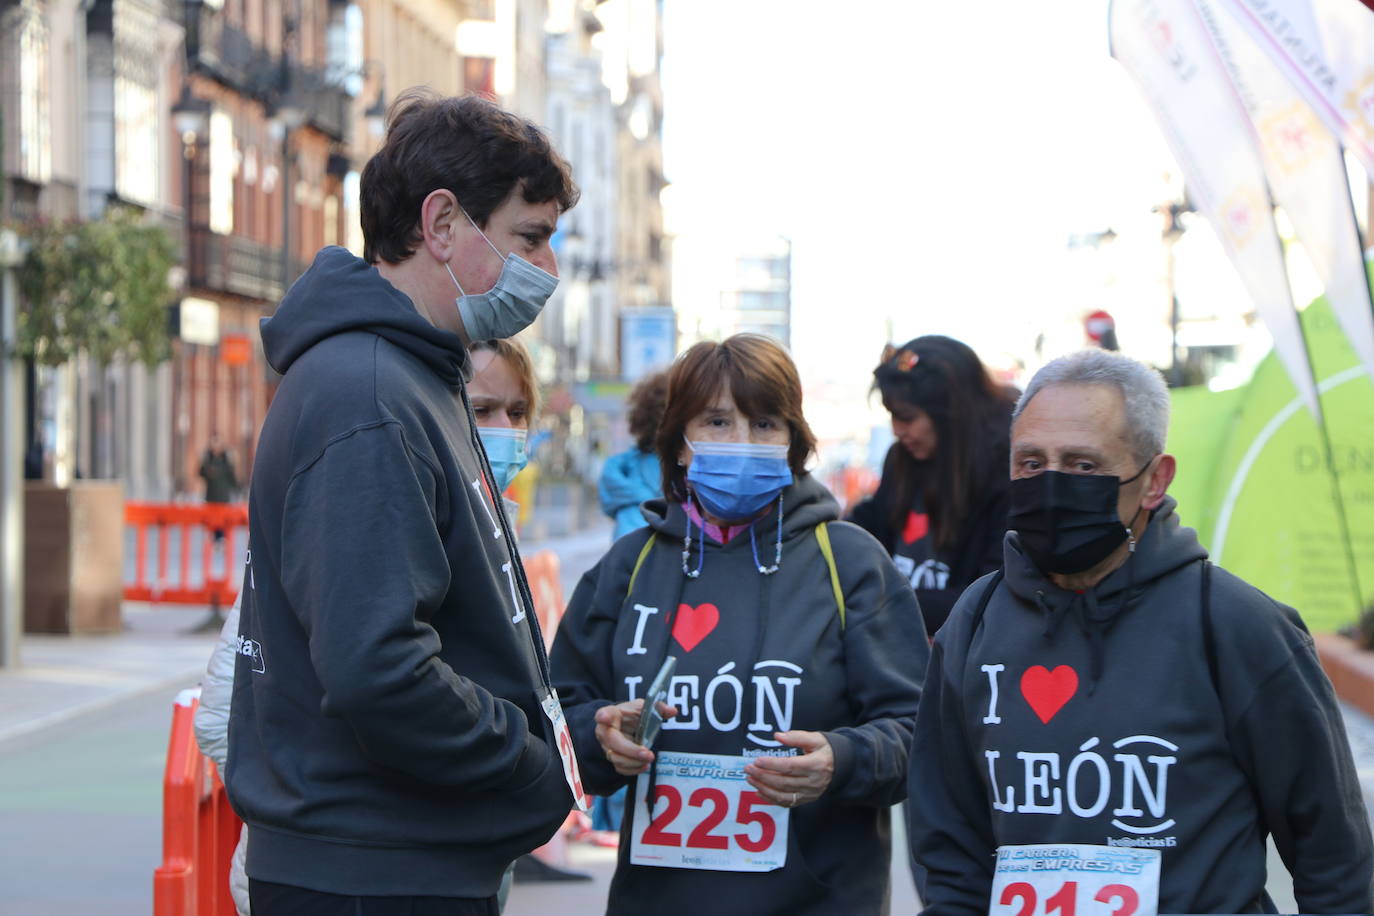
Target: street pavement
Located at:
point(83, 737)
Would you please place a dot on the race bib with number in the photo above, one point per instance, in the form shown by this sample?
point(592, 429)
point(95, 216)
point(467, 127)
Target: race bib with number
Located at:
point(707, 816)
point(554, 710)
point(1075, 880)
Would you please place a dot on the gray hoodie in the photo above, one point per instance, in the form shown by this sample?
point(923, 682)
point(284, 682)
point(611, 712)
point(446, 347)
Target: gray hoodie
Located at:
point(386, 735)
point(779, 638)
point(1117, 716)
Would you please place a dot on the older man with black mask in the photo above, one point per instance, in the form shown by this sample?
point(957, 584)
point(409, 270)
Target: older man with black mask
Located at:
point(1111, 719)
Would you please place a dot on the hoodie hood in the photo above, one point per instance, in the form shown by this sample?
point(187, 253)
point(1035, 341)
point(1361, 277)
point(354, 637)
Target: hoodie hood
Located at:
point(1165, 546)
point(341, 293)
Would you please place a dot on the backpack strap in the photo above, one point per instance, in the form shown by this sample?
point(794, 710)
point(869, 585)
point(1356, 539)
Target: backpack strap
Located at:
point(823, 539)
point(639, 561)
point(987, 596)
point(1209, 640)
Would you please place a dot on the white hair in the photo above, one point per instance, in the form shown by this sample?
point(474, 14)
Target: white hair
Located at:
point(1142, 389)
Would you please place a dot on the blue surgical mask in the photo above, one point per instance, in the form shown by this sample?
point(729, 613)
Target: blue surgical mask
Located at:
point(505, 451)
point(511, 305)
point(736, 480)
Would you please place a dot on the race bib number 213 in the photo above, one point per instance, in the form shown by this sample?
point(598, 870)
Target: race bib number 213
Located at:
point(1075, 880)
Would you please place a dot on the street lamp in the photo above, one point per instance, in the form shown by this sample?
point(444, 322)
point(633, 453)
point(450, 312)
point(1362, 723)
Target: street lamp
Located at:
point(1172, 231)
point(191, 117)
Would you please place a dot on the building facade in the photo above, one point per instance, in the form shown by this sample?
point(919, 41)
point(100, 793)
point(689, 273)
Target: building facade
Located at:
point(758, 297)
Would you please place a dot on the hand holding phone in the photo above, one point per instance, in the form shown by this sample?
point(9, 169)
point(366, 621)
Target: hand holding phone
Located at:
point(649, 719)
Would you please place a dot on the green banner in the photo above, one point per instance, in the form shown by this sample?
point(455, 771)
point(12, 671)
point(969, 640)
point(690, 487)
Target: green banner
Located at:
point(1254, 481)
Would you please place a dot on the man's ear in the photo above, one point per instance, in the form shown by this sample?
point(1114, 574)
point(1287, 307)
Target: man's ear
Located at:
point(1159, 481)
point(439, 216)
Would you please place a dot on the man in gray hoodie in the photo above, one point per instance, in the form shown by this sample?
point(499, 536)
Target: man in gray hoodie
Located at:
point(394, 740)
point(1111, 704)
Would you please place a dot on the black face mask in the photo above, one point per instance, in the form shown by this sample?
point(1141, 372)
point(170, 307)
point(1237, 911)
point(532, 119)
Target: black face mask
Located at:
point(1067, 523)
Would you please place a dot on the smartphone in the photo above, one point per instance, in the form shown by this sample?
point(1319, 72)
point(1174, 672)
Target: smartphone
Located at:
point(649, 720)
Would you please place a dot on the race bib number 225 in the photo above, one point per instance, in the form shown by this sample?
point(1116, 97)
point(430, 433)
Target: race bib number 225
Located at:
point(706, 816)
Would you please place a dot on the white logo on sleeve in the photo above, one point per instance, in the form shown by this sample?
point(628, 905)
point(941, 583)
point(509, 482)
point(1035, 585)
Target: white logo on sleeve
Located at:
point(251, 648)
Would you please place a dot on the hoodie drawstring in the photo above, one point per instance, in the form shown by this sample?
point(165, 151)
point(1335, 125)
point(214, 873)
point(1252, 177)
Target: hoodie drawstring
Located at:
point(1092, 623)
point(1052, 615)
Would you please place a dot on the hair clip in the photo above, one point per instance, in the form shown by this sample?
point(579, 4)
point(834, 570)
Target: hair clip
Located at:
point(905, 360)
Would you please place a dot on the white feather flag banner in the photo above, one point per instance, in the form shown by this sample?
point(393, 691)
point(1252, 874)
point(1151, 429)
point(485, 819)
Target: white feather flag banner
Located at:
point(1164, 46)
point(1306, 171)
point(1326, 49)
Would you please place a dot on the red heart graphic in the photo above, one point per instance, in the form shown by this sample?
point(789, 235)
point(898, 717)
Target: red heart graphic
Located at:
point(917, 524)
point(1047, 691)
point(693, 624)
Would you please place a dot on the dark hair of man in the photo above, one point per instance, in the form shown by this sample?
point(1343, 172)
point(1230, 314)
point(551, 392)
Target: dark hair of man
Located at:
point(465, 144)
point(972, 418)
point(646, 402)
point(763, 381)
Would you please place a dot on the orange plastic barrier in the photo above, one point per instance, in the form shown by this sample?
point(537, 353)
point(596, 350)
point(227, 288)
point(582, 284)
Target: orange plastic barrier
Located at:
point(199, 829)
point(218, 591)
point(541, 570)
point(851, 484)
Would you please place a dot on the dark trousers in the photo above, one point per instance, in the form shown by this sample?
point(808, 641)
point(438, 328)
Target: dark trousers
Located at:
point(269, 899)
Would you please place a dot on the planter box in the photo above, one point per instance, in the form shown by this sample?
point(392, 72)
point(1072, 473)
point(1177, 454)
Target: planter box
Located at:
point(1350, 668)
point(73, 557)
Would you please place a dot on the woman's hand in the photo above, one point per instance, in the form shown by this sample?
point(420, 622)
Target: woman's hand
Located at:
point(615, 728)
point(792, 781)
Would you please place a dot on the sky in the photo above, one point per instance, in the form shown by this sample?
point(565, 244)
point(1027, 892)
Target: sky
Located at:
point(929, 162)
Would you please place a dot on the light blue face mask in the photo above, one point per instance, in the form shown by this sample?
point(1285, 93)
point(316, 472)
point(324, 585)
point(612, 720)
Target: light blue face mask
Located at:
point(511, 305)
point(736, 480)
point(505, 451)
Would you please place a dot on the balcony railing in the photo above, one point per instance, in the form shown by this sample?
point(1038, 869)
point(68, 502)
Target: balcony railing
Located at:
point(237, 265)
point(228, 55)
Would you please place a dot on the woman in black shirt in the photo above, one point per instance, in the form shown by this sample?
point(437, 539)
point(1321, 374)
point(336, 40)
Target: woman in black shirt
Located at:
point(941, 507)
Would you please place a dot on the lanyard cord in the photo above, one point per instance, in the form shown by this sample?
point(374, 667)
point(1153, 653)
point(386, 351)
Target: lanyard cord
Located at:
point(777, 552)
point(687, 549)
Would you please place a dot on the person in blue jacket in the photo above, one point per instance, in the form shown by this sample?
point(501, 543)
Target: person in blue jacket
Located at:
point(633, 476)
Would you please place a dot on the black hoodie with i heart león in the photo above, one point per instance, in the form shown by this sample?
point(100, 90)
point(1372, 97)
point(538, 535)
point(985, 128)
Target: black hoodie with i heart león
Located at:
point(1127, 716)
point(385, 735)
point(757, 654)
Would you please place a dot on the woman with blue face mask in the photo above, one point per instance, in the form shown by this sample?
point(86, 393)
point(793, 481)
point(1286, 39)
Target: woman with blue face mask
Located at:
point(504, 394)
point(797, 664)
